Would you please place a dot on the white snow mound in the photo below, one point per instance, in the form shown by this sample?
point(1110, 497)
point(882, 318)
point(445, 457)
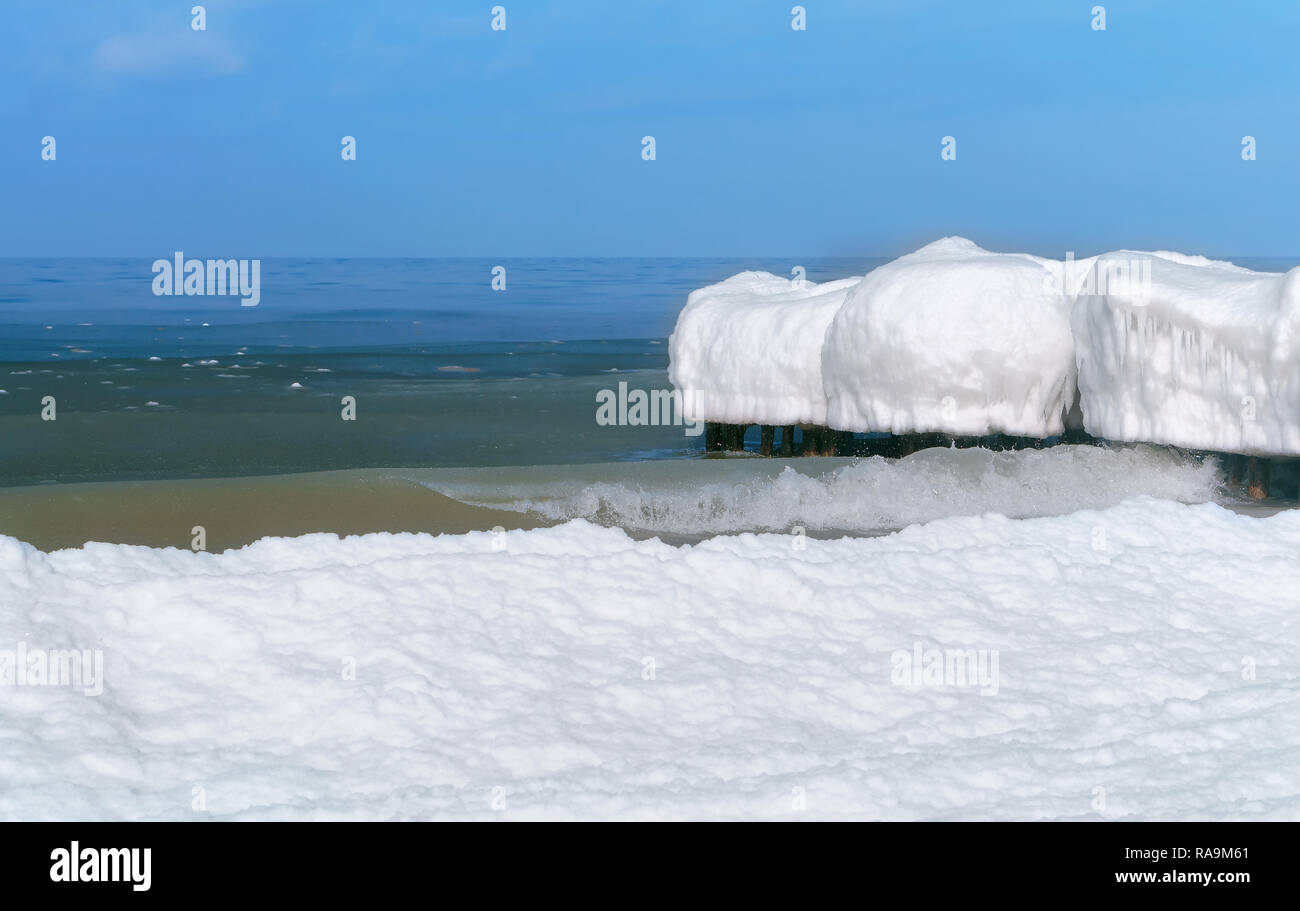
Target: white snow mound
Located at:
point(954, 339)
point(748, 349)
point(1190, 352)
point(573, 673)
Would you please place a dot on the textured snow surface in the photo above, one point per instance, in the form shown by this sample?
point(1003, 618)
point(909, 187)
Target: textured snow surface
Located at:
point(1147, 650)
point(1205, 355)
point(956, 339)
point(748, 349)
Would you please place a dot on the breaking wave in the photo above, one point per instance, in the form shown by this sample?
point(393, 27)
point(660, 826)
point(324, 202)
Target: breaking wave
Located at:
point(864, 496)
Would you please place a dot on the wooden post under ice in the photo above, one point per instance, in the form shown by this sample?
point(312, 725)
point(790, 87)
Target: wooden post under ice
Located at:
point(713, 436)
point(1257, 479)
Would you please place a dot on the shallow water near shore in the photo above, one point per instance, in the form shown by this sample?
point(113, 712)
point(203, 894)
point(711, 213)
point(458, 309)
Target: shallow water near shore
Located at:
point(679, 501)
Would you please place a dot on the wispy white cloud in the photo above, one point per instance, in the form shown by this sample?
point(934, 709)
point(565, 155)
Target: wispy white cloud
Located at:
point(167, 50)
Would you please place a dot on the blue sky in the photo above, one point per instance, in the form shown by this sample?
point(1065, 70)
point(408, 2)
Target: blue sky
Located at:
point(525, 142)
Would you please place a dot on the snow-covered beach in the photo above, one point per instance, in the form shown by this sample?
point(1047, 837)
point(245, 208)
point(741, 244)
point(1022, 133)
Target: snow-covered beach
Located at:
point(1134, 662)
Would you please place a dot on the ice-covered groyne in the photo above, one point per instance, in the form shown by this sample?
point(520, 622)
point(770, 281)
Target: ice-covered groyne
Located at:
point(1197, 353)
point(748, 349)
point(952, 339)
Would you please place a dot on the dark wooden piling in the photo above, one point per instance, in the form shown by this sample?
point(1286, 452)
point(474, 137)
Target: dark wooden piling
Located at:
point(830, 442)
point(1257, 478)
point(823, 442)
point(738, 437)
point(713, 437)
point(724, 437)
point(766, 436)
point(787, 440)
point(812, 440)
point(1234, 467)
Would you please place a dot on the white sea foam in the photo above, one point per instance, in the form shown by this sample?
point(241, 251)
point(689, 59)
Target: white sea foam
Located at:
point(867, 495)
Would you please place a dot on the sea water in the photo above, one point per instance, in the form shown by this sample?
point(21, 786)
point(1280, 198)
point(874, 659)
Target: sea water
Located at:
point(465, 362)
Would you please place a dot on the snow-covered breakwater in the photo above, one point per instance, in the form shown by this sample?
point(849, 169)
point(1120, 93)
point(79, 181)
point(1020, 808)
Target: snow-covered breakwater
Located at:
point(1154, 347)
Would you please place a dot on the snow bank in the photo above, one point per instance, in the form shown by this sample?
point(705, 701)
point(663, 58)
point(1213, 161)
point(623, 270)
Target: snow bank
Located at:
point(571, 672)
point(748, 349)
point(1191, 352)
point(954, 339)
